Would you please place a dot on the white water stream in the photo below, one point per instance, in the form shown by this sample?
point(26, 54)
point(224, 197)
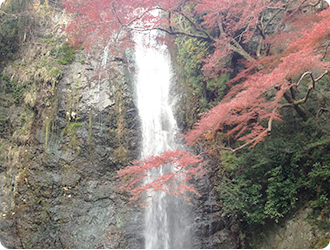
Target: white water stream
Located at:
point(167, 222)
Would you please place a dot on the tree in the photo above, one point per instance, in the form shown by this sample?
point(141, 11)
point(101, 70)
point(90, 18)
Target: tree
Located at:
point(280, 44)
point(186, 166)
point(267, 80)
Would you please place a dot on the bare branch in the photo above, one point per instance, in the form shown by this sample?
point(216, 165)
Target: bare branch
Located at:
point(287, 105)
point(115, 12)
point(14, 16)
point(311, 4)
point(311, 87)
point(234, 45)
point(270, 122)
point(271, 19)
point(312, 78)
point(205, 35)
point(262, 28)
point(303, 100)
point(303, 76)
point(138, 17)
point(181, 33)
point(296, 107)
point(2, 12)
point(131, 21)
point(262, 134)
point(199, 29)
point(321, 76)
point(234, 150)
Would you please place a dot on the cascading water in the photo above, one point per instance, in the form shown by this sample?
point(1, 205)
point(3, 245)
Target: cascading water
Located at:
point(167, 223)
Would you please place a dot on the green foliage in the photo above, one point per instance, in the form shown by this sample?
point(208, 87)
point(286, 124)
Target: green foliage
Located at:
point(65, 54)
point(56, 74)
point(191, 54)
point(241, 197)
point(3, 119)
point(17, 5)
point(326, 245)
point(71, 128)
point(320, 202)
point(200, 92)
point(281, 193)
point(319, 180)
point(268, 181)
point(319, 176)
point(15, 88)
point(51, 41)
point(228, 159)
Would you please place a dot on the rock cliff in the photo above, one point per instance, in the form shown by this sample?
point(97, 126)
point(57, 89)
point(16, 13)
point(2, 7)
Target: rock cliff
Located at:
point(65, 131)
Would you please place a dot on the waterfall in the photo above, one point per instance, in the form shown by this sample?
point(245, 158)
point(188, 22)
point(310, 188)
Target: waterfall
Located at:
point(167, 223)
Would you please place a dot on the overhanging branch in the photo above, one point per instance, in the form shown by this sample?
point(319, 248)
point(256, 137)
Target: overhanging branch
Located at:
point(310, 88)
point(199, 29)
point(182, 33)
point(234, 150)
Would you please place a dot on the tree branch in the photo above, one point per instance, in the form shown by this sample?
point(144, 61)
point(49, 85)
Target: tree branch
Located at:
point(262, 28)
point(287, 105)
point(311, 4)
point(235, 46)
point(303, 100)
point(270, 122)
point(234, 150)
point(321, 76)
point(206, 35)
point(199, 29)
point(303, 76)
point(311, 87)
point(296, 107)
point(5, 13)
point(180, 33)
point(262, 134)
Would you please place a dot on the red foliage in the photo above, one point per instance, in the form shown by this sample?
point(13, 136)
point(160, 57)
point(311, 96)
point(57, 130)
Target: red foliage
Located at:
point(246, 105)
point(105, 22)
point(185, 166)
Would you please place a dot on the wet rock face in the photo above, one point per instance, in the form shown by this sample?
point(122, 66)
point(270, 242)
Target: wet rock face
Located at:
point(80, 204)
point(59, 188)
point(212, 230)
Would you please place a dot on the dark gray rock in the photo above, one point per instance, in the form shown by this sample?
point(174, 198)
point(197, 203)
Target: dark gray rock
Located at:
point(66, 195)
